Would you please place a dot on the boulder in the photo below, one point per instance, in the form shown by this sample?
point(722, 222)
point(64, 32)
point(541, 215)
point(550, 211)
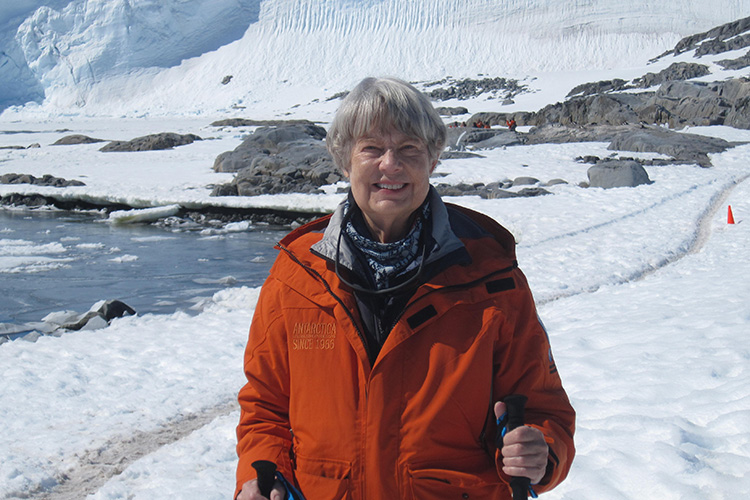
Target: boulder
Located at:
point(45, 180)
point(153, 142)
point(76, 139)
point(525, 181)
point(447, 111)
point(112, 309)
point(283, 159)
point(617, 173)
point(97, 317)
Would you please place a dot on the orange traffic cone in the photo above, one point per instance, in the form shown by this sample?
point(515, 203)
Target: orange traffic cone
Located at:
point(730, 217)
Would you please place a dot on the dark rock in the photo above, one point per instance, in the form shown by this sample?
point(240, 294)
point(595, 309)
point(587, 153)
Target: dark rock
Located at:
point(224, 190)
point(468, 88)
point(226, 79)
point(555, 182)
point(93, 317)
point(112, 309)
point(283, 159)
point(738, 63)
point(525, 181)
point(598, 87)
point(20, 200)
point(153, 142)
point(245, 122)
point(488, 192)
point(675, 72)
point(495, 119)
point(445, 111)
point(730, 36)
point(76, 139)
point(675, 103)
point(588, 159)
point(617, 173)
point(477, 138)
point(689, 148)
point(452, 155)
point(558, 134)
point(533, 191)
point(46, 180)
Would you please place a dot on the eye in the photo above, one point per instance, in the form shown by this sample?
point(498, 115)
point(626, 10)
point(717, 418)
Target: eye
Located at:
point(410, 149)
point(370, 149)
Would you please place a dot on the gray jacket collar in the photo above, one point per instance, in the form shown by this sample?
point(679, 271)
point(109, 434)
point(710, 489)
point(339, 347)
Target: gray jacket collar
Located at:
point(445, 240)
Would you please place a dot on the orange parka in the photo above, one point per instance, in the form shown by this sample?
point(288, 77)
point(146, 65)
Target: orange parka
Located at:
point(418, 423)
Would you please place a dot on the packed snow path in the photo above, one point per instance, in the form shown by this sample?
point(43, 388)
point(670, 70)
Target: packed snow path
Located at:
point(96, 466)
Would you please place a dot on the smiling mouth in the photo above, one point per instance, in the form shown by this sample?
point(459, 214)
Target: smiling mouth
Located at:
point(392, 187)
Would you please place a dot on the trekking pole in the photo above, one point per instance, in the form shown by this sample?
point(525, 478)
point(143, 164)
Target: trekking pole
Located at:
point(515, 406)
point(266, 476)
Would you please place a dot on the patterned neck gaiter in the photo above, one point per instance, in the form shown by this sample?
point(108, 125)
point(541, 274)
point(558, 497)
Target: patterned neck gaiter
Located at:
point(387, 261)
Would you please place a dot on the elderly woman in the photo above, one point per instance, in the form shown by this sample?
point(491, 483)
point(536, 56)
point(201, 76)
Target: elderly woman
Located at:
point(389, 333)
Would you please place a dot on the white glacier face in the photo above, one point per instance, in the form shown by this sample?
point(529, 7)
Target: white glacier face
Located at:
point(169, 55)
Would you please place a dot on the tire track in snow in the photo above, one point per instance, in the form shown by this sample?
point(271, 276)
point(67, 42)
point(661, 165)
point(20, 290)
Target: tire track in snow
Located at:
point(697, 240)
point(97, 465)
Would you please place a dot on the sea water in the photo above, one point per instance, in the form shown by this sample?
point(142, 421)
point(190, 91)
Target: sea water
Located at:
point(54, 261)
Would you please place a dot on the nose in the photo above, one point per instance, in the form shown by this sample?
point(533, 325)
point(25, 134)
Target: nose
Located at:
point(390, 160)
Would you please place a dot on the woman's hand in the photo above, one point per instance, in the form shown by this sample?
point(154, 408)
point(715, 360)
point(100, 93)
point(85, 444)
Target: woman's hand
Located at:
point(250, 491)
point(524, 451)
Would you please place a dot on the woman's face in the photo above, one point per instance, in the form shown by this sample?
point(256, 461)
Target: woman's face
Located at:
point(390, 178)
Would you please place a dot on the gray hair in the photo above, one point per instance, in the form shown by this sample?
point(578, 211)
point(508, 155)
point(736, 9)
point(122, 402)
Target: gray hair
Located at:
point(383, 104)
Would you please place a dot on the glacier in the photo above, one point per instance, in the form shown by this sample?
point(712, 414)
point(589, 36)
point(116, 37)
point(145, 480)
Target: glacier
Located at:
point(125, 57)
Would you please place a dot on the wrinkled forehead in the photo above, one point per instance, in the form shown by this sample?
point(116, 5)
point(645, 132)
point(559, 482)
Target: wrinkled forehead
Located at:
point(389, 136)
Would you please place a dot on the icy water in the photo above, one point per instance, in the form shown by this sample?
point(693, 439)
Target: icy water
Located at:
point(55, 261)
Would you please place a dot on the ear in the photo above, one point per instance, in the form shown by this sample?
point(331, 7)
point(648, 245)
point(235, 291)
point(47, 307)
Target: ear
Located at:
point(434, 164)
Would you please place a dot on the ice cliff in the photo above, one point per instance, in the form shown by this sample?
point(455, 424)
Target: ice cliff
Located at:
point(170, 56)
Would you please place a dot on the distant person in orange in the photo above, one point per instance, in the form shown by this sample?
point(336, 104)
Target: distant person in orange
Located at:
point(511, 123)
point(390, 335)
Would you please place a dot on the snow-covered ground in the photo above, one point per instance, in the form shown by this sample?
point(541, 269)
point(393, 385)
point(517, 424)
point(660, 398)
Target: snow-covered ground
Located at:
point(644, 290)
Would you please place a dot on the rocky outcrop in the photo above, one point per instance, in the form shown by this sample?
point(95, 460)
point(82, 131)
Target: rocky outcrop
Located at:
point(738, 63)
point(153, 142)
point(76, 139)
point(246, 122)
point(617, 173)
point(492, 191)
point(675, 72)
point(45, 180)
point(283, 159)
point(459, 138)
point(467, 88)
point(730, 36)
point(451, 111)
point(688, 148)
point(676, 103)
